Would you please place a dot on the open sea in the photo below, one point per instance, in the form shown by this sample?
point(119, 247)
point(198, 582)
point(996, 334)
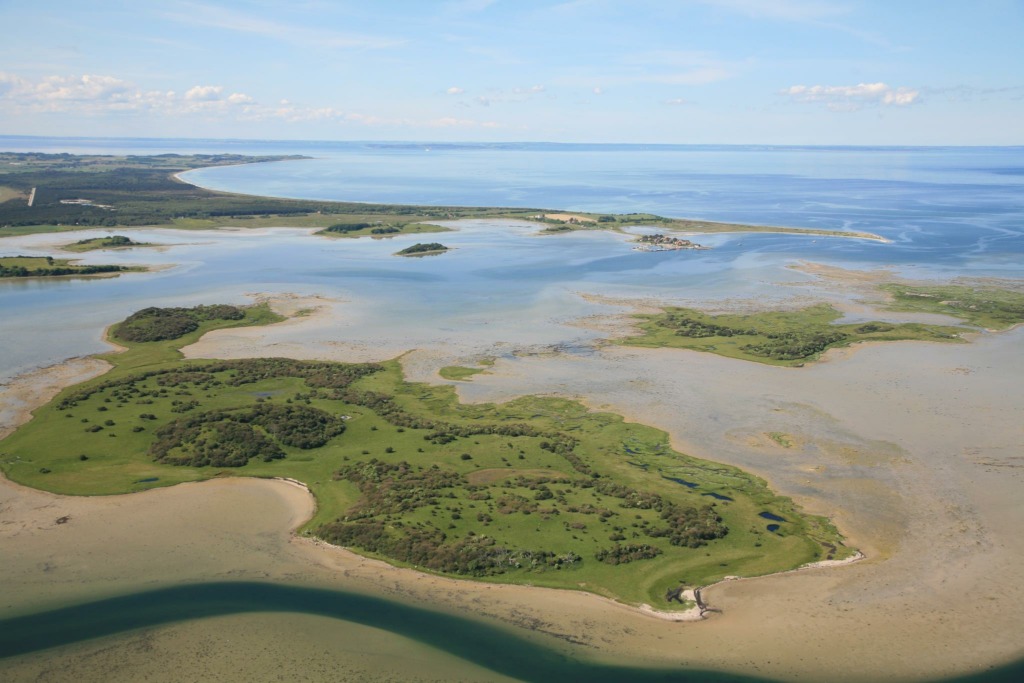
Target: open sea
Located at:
point(947, 212)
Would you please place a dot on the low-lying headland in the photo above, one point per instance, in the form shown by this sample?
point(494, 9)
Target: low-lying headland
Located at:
point(538, 490)
point(108, 191)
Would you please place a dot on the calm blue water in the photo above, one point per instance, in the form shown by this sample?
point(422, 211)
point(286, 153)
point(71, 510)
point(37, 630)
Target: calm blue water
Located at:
point(946, 207)
point(948, 211)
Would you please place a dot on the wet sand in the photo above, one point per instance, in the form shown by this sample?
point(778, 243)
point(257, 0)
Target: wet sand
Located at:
point(913, 449)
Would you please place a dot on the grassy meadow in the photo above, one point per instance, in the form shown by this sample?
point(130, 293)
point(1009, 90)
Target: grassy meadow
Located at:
point(536, 491)
point(989, 307)
point(788, 338)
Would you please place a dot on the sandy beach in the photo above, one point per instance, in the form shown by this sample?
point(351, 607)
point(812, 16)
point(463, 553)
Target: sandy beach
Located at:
point(916, 459)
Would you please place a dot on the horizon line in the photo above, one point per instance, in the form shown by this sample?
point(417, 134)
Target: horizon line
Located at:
point(479, 143)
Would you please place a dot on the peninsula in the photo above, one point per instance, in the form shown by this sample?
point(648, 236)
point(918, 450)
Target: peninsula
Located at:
point(74, 192)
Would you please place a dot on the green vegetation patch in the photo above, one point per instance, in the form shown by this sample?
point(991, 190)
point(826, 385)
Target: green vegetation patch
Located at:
point(423, 249)
point(47, 266)
point(990, 307)
point(230, 438)
point(111, 242)
point(459, 373)
point(774, 337)
point(159, 324)
point(538, 490)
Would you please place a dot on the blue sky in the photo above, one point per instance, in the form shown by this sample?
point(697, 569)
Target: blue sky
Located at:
point(895, 72)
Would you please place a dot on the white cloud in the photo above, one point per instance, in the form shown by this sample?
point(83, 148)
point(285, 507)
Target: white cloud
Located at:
point(455, 90)
point(69, 88)
point(599, 90)
point(8, 82)
point(96, 95)
point(677, 101)
point(204, 93)
point(853, 97)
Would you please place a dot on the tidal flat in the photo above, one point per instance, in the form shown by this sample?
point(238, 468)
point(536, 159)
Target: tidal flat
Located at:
point(929, 498)
point(911, 448)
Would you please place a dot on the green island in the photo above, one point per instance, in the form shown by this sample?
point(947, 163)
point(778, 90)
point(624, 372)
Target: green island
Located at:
point(47, 266)
point(61, 192)
point(423, 249)
point(537, 491)
point(111, 242)
point(793, 338)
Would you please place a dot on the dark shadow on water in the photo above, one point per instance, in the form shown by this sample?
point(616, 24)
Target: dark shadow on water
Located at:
point(488, 646)
point(494, 648)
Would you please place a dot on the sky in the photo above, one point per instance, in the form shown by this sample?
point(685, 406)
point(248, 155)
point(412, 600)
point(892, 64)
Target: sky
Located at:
point(814, 72)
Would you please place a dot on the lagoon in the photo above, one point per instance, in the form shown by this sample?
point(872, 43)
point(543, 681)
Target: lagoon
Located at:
point(508, 292)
